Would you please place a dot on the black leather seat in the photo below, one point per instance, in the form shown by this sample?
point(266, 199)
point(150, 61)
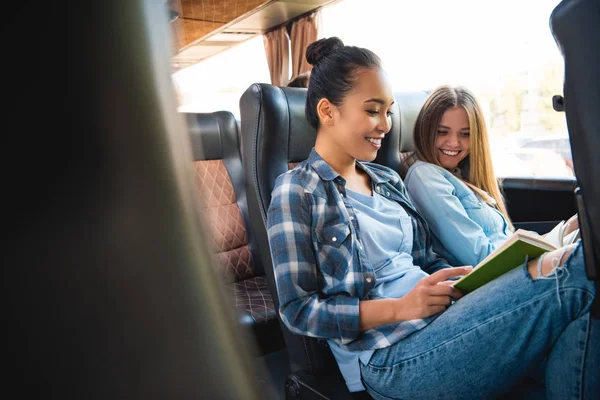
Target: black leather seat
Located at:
point(222, 202)
point(275, 137)
point(409, 105)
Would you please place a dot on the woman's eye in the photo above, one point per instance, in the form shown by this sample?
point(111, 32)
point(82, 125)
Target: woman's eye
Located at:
point(389, 113)
point(442, 132)
point(373, 112)
point(466, 134)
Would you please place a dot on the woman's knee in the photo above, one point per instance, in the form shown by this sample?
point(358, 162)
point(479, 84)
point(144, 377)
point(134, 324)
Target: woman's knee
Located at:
point(549, 262)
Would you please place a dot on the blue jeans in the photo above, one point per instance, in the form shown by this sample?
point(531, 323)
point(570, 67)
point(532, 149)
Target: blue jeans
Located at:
point(492, 338)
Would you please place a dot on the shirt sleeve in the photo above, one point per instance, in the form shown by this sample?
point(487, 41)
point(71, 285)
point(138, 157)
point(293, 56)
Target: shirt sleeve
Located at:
point(302, 307)
point(434, 197)
point(434, 262)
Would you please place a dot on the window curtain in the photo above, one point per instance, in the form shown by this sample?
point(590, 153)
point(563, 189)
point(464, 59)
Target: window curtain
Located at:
point(304, 31)
point(278, 55)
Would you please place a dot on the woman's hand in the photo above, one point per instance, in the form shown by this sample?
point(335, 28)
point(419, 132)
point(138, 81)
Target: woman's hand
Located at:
point(431, 295)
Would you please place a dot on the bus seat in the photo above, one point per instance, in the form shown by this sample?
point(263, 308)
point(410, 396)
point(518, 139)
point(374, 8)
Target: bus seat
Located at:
point(222, 202)
point(409, 105)
point(575, 26)
point(275, 137)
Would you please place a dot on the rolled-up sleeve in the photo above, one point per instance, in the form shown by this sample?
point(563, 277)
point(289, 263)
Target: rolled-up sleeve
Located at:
point(302, 307)
point(434, 198)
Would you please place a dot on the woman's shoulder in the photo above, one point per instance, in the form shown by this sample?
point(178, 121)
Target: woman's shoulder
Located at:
point(420, 170)
point(427, 177)
point(300, 179)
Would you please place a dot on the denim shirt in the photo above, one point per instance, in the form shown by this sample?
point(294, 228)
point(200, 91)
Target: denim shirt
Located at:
point(465, 228)
point(321, 269)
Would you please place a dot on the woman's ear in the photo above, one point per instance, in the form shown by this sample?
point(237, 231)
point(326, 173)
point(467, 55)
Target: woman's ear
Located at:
point(325, 112)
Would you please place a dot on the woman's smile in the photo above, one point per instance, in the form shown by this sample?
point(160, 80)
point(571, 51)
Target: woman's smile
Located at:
point(375, 142)
point(451, 153)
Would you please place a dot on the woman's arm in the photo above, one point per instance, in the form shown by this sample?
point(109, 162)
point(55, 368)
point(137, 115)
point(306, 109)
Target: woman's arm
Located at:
point(434, 198)
point(302, 307)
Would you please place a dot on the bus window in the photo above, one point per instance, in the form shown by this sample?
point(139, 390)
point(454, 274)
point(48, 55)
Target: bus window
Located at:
point(502, 51)
point(217, 83)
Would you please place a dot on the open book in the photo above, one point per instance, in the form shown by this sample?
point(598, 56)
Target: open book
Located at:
point(558, 237)
point(521, 245)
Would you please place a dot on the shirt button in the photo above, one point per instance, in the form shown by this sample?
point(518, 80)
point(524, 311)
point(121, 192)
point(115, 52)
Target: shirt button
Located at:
point(334, 239)
point(360, 246)
point(351, 218)
point(368, 280)
point(479, 204)
point(387, 193)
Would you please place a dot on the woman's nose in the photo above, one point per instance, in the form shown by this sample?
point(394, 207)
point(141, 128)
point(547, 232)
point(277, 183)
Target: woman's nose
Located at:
point(452, 139)
point(385, 125)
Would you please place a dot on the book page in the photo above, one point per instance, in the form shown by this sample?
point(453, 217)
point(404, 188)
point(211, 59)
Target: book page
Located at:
point(571, 237)
point(556, 234)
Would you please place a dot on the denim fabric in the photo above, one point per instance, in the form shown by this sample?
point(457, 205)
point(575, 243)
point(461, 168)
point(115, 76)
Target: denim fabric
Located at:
point(489, 339)
point(321, 269)
point(465, 229)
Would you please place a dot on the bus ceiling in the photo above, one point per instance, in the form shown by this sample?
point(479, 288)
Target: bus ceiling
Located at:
point(201, 29)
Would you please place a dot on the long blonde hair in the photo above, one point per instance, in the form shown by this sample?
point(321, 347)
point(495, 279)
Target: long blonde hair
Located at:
point(481, 179)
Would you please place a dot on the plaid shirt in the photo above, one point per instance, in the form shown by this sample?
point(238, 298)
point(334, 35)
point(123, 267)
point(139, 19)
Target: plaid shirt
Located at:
point(321, 269)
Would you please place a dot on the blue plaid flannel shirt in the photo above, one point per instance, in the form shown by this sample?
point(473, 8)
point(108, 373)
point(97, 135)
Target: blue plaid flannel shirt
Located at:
point(321, 269)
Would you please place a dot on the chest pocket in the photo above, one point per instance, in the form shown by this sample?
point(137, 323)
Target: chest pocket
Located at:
point(334, 235)
point(481, 213)
point(406, 241)
point(334, 249)
point(470, 201)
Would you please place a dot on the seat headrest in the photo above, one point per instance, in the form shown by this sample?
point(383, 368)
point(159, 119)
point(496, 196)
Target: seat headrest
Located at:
point(409, 105)
point(212, 134)
point(276, 114)
point(275, 117)
point(274, 133)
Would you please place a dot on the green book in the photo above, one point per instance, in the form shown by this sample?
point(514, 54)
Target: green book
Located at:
point(510, 255)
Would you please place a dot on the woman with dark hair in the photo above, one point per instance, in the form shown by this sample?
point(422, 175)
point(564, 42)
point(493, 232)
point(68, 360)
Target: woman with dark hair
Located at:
point(353, 265)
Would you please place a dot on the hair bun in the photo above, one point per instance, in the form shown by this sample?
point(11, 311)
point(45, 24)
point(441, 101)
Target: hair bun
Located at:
point(322, 48)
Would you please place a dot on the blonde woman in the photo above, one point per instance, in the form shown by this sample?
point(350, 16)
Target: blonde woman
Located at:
point(451, 179)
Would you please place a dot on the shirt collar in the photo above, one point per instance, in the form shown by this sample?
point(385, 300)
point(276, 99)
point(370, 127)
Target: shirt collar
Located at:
point(327, 173)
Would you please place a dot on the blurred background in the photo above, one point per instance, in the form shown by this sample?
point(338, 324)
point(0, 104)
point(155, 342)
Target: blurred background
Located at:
point(503, 51)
